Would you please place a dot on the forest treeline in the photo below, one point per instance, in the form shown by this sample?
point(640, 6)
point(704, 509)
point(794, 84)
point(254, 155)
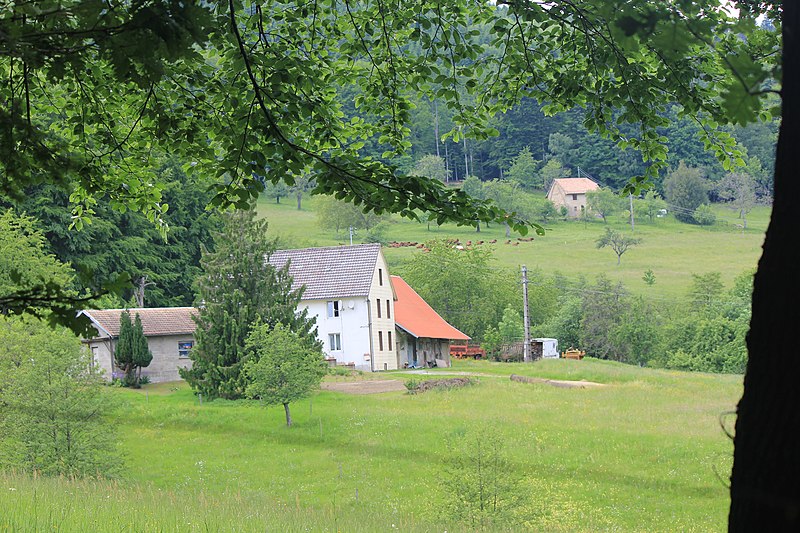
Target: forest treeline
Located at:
point(564, 140)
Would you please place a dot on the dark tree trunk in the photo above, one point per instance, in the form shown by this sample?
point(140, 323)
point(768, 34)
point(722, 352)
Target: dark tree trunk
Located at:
point(288, 415)
point(765, 482)
point(299, 201)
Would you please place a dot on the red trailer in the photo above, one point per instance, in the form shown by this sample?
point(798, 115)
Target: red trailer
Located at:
point(464, 350)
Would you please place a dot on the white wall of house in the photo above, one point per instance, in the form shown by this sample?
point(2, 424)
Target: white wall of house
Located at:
point(167, 358)
point(102, 351)
point(351, 325)
point(353, 319)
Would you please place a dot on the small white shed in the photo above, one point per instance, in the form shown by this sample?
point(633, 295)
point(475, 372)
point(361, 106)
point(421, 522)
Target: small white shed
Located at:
point(547, 348)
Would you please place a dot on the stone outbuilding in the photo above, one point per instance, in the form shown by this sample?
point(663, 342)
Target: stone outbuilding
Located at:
point(169, 332)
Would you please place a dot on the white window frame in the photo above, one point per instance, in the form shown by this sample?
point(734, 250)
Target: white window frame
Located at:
point(335, 342)
point(334, 309)
point(183, 350)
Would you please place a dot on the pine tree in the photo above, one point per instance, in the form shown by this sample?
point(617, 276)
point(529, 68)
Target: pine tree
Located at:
point(238, 286)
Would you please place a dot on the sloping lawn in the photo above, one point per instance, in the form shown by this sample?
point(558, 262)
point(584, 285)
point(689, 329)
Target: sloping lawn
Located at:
point(643, 453)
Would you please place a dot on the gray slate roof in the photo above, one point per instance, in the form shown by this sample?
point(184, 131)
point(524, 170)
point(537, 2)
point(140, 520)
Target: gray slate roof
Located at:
point(334, 272)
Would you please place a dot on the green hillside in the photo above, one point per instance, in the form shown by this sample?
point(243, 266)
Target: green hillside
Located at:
point(645, 452)
point(672, 250)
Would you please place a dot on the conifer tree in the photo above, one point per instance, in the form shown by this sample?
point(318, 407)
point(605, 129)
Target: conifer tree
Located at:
point(132, 352)
point(142, 356)
point(124, 350)
point(238, 286)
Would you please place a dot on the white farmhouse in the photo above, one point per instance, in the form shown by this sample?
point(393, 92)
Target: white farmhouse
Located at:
point(349, 291)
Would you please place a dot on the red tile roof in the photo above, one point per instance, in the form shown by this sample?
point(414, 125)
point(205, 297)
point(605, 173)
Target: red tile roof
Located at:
point(155, 320)
point(414, 315)
point(576, 185)
point(332, 272)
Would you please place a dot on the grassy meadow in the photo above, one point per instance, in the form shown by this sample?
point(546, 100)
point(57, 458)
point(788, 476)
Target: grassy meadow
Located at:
point(645, 452)
point(671, 249)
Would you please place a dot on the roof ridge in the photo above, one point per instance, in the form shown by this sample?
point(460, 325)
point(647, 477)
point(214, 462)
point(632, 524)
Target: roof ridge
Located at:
point(141, 308)
point(341, 246)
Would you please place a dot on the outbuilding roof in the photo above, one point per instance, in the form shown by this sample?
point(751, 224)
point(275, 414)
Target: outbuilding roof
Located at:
point(417, 318)
point(331, 272)
point(575, 185)
point(156, 321)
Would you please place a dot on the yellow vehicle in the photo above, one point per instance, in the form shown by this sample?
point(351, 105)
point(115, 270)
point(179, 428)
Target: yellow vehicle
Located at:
point(572, 353)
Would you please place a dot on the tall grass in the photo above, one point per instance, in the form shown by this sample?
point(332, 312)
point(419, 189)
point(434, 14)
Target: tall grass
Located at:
point(39, 504)
point(644, 453)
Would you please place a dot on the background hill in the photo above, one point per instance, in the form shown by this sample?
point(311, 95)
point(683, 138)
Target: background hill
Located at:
point(672, 250)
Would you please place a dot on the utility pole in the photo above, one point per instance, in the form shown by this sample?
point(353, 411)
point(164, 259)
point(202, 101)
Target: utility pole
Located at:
point(436, 126)
point(526, 348)
point(351, 235)
point(631, 198)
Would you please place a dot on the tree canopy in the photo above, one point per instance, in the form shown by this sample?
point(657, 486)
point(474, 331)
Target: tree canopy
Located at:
point(54, 407)
point(462, 285)
point(247, 87)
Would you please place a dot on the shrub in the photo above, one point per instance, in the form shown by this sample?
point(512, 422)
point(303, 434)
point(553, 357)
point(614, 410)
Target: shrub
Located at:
point(54, 415)
point(704, 215)
point(482, 486)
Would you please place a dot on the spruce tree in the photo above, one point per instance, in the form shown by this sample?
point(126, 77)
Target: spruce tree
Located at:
point(142, 356)
point(124, 350)
point(238, 286)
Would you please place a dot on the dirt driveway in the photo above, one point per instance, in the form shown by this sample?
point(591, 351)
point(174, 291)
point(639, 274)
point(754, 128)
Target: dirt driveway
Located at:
point(376, 386)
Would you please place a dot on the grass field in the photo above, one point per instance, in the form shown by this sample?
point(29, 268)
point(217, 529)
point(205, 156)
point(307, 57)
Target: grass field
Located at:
point(644, 453)
point(672, 250)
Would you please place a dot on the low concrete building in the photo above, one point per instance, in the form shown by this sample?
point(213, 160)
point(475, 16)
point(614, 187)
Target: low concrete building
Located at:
point(169, 332)
point(423, 337)
point(571, 193)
